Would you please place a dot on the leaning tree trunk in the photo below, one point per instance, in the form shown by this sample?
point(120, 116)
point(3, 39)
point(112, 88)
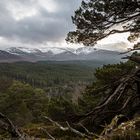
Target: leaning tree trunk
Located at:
point(124, 99)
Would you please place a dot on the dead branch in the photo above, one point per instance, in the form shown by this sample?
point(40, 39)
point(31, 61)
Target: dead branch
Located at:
point(130, 50)
point(133, 58)
point(76, 131)
point(68, 128)
point(86, 130)
point(45, 131)
point(57, 124)
point(7, 125)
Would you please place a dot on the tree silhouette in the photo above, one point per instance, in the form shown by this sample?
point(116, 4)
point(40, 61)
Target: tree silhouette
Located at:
point(97, 19)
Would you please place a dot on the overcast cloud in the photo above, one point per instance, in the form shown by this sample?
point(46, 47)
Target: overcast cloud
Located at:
point(35, 22)
point(39, 23)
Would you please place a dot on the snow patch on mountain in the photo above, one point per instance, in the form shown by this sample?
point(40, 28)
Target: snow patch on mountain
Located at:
point(22, 50)
point(55, 50)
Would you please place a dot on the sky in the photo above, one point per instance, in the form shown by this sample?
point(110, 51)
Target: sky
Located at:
point(40, 23)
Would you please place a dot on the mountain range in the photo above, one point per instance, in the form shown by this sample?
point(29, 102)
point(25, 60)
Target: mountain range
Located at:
point(15, 54)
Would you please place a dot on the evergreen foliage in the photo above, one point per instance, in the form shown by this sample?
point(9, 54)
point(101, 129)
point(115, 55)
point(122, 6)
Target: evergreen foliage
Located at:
point(105, 76)
point(97, 19)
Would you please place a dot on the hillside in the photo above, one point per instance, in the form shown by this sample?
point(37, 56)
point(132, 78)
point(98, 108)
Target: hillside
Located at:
point(8, 57)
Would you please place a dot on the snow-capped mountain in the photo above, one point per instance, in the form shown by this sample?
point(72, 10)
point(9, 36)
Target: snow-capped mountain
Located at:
point(8, 57)
point(25, 50)
point(64, 54)
point(59, 50)
point(22, 50)
point(51, 52)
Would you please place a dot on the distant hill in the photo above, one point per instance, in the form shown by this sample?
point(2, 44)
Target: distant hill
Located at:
point(60, 54)
point(8, 57)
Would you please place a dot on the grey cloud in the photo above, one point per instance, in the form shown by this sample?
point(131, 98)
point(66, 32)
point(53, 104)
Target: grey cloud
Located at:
point(42, 27)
